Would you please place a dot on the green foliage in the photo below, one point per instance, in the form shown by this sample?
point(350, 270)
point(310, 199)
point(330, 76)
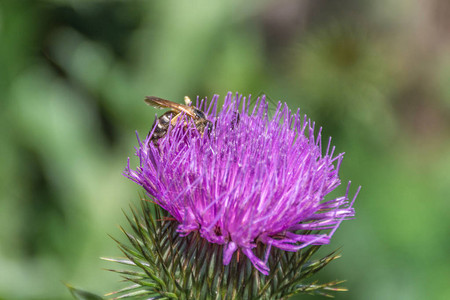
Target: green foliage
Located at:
point(174, 267)
point(81, 294)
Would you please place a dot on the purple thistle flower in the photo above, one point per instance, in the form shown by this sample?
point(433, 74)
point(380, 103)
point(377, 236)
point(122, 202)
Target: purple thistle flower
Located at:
point(253, 179)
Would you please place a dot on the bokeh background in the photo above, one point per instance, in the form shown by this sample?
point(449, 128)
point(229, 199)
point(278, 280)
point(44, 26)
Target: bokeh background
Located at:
point(73, 75)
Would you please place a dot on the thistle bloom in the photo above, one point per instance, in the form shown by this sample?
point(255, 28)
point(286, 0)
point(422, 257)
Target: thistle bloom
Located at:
point(252, 179)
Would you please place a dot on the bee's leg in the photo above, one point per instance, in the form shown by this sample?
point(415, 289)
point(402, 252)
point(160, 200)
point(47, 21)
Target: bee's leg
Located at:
point(209, 127)
point(174, 120)
point(236, 120)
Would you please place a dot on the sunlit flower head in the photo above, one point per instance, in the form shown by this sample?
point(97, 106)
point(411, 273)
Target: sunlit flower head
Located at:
point(250, 179)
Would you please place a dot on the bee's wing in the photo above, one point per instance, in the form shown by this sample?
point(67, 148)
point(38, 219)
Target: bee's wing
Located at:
point(162, 103)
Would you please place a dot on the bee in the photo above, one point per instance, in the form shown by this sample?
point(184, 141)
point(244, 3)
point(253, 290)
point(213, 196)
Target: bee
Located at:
point(171, 117)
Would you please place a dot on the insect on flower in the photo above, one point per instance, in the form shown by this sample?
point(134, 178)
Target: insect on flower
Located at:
point(260, 181)
point(161, 125)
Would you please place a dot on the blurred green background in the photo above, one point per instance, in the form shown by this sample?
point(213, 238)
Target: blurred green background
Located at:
point(73, 75)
